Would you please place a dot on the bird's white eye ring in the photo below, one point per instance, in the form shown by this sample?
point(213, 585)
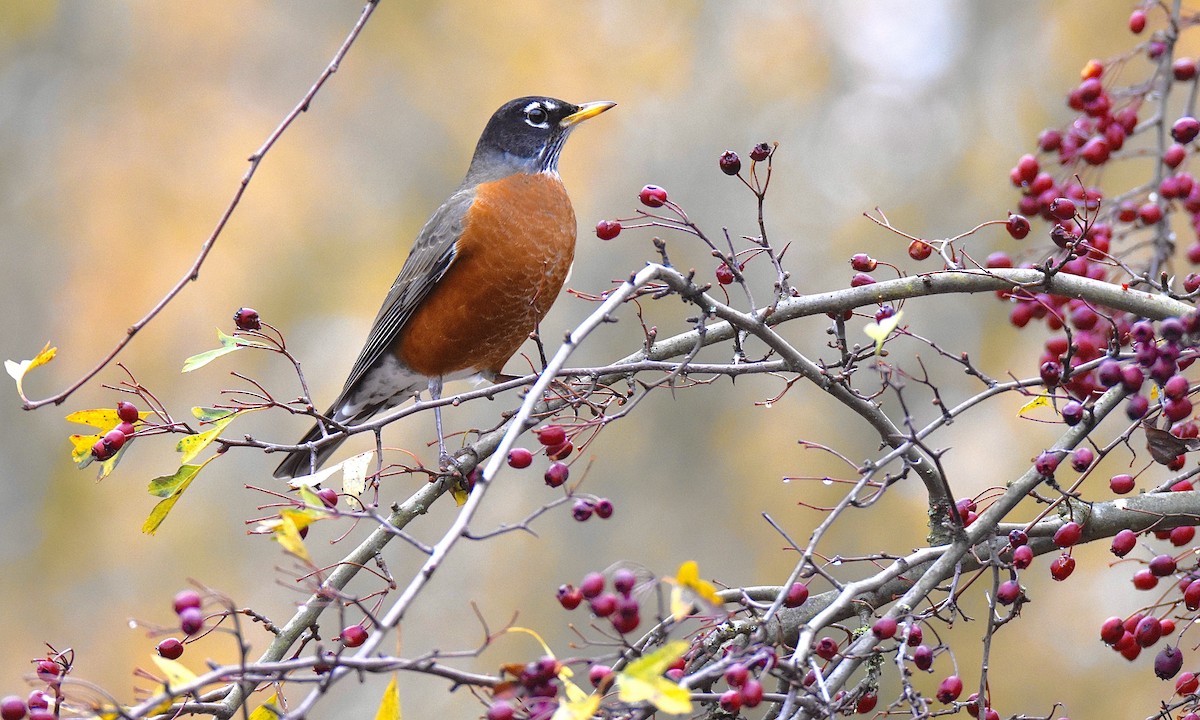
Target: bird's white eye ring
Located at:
point(536, 115)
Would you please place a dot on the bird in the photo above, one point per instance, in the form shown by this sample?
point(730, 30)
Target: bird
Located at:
point(482, 273)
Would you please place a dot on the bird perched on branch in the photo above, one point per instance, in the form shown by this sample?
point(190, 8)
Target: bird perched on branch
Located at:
point(481, 275)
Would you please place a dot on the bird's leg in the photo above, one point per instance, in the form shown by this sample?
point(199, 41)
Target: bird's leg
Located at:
point(435, 394)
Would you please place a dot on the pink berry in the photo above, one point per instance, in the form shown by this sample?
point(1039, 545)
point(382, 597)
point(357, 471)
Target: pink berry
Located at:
point(12, 708)
point(186, 599)
point(1185, 129)
point(1137, 22)
point(519, 458)
point(1121, 484)
point(592, 585)
point(1022, 557)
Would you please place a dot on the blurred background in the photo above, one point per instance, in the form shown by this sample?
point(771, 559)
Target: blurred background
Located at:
point(124, 129)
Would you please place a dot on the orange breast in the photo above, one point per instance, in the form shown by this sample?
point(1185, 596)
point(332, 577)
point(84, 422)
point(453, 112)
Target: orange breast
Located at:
point(513, 257)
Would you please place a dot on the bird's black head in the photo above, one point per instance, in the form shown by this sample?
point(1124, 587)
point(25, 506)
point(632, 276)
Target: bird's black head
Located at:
point(527, 135)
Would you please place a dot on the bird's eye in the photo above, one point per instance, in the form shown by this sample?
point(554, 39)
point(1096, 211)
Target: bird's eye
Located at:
point(537, 115)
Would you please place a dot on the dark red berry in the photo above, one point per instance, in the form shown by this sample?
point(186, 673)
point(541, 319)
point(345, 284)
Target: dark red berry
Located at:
point(915, 635)
point(170, 648)
point(519, 458)
point(796, 595)
point(866, 703)
point(624, 581)
point(730, 163)
point(752, 693)
point(1123, 542)
point(329, 497)
point(1191, 595)
point(1051, 373)
point(38, 700)
point(582, 510)
point(604, 508)
point(1112, 630)
point(949, 690)
point(551, 435)
point(724, 274)
point(1148, 631)
point(653, 196)
point(884, 628)
point(101, 451)
point(569, 596)
point(608, 229)
point(1082, 459)
point(1187, 684)
point(247, 319)
point(1017, 538)
point(1145, 580)
point(1185, 129)
point(1072, 413)
point(760, 152)
point(561, 451)
point(826, 648)
point(731, 701)
point(736, 675)
point(1047, 463)
point(1162, 565)
point(1062, 567)
point(1136, 407)
point(1017, 226)
point(598, 674)
point(127, 412)
point(48, 671)
point(1182, 535)
point(115, 440)
point(354, 636)
point(1008, 592)
point(557, 474)
point(922, 657)
point(1062, 208)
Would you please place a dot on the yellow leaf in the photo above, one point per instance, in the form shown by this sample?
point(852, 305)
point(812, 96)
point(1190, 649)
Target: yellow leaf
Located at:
point(228, 344)
point(459, 492)
point(288, 535)
point(168, 485)
point(18, 369)
point(177, 675)
point(268, 710)
point(581, 709)
point(527, 631)
point(691, 590)
point(354, 473)
point(879, 331)
point(1038, 402)
point(643, 681)
point(389, 707)
point(193, 445)
point(103, 418)
point(81, 448)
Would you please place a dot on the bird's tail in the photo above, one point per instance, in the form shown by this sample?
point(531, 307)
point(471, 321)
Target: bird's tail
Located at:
point(303, 462)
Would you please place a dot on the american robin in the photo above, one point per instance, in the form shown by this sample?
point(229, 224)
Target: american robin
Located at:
point(481, 275)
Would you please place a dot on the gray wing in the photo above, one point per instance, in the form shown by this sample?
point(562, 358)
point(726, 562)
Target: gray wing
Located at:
point(431, 256)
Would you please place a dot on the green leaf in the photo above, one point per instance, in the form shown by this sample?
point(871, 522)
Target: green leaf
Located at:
point(164, 506)
point(207, 414)
point(168, 485)
point(229, 344)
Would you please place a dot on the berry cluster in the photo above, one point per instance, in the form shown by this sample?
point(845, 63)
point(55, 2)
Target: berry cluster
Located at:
point(37, 705)
point(558, 447)
point(187, 607)
point(745, 690)
point(620, 607)
point(115, 439)
point(534, 694)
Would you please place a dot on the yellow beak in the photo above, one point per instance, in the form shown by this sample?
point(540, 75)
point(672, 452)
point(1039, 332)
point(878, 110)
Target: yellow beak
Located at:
point(585, 111)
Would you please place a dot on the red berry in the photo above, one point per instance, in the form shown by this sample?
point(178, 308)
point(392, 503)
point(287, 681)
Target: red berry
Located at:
point(1062, 567)
point(247, 319)
point(653, 196)
point(915, 635)
point(561, 451)
point(731, 701)
point(1137, 22)
point(1191, 595)
point(866, 703)
point(354, 636)
point(170, 648)
point(999, 259)
point(1112, 630)
point(863, 262)
point(519, 458)
point(1121, 484)
point(608, 229)
point(1062, 208)
point(1095, 151)
point(1049, 140)
point(1182, 535)
point(826, 648)
point(1187, 684)
point(922, 657)
point(1027, 167)
point(598, 674)
point(1185, 129)
point(1123, 542)
point(603, 605)
point(1017, 226)
point(12, 708)
point(551, 435)
point(186, 599)
point(752, 693)
point(861, 279)
point(884, 628)
point(730, 163)
point(1008, 592)
point(500, 710)
point(919, 250)
point(1191, 283)
point(569, 596)
point(191, 620)
point(1145, 580)
point(1069, 534)
point(592, 585)
point(114, 440)
point(796, 595)
point(582, 510)
point(101, 451)
point(736, 675)
point(127, 411)
point(1022, 557)
point(724, 274)
point(604, 508)
point(1148, 631)
point(1046, 463)
point(1162, 565)
point(557, 474)
point(949, 690)
point(760, 152)
point(38, 700)
point(48, 671)
point(329, 497)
